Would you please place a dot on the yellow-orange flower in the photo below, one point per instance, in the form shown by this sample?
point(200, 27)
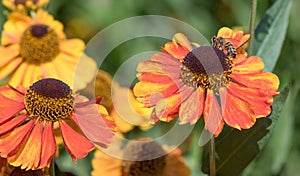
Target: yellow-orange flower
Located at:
point(24, 4)
point(120, 102)
point(27, 118)
point(167, 163)
point(36, 48)
point(190, 81)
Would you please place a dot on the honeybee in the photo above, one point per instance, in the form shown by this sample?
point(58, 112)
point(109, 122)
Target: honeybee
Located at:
point(221, 43)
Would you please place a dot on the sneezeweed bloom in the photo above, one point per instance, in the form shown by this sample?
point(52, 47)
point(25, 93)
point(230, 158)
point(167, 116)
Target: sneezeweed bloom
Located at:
point(190, 81)
point(36, 48)
point(27, 119)
point(8, 170)
point(120, 102)
point(147, 158)
point(21, 5)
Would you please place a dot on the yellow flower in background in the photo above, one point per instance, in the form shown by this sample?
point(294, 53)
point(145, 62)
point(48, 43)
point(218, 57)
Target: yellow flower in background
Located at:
point(36, 48)
point(166, 162)
point(24, 4)
point(120, 102)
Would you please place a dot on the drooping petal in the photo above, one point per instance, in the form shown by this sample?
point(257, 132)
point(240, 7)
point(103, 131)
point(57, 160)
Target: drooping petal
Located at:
point(13, 141)
point(11, 102)
point(192, 108)
point(11, 124)
point(76, 145)
point(93, 124)
point(265, 80)
point(236, 112)
point(29, 156)
point(48, 146)
point(212, 114)
point(252, 64)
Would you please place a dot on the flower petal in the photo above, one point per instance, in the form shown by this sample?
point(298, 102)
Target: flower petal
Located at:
point(93, 125)
point(165, 59)
point(10, 103)
point(149, 89)
point(12, 142)
point(48, 146)
point(252, 64)
point(8, 54)
point(266, 80)
point(76, 145)
point(29, 157)
point(73, 47)
point(10, 67)
point(212, 114)
point(192, 108)
point(236, 112)
point(17, 77)
point(260, 100)
point(156, 67)
point(11, 124)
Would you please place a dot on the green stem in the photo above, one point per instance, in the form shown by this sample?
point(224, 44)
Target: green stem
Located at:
point(212, 157)
point(52, 168)
point(252, 25)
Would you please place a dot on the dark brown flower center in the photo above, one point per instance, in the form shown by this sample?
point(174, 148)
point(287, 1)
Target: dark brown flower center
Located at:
point(39, 44)
point(147, 158)
point(23, 2)
point(206, 67)
point(49, 100)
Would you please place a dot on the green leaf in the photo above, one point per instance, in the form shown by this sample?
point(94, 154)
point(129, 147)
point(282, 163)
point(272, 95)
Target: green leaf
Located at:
point(237, 149)
point(270, 33)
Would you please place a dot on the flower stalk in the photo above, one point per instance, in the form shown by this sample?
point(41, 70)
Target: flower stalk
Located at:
point(212, 157)
point(252, 25)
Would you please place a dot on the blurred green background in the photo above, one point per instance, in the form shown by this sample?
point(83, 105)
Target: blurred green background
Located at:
point(85, 18)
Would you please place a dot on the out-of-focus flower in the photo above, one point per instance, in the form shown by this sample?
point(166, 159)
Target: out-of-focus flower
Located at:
point(21, 5)
point(142, 157)
point(27, 119)
point(36, 48)
point(120, 102)
point(8, 170)
point(222, 84)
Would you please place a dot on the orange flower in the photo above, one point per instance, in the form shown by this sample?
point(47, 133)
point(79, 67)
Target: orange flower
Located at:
point(35, 48)
point(169, 162)
point(213, 81)
point(24, 4)
point(27, 119)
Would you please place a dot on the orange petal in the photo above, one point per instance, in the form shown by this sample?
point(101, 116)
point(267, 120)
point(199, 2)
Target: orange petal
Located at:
point(251, 65)
point(176, 50)
point(9, 106)
point(8, 54)
point(236, 112)
point(266, 80)
point(225, 32)
point(10, 67)
point(12, 142)
point(192, 108)
point(155, 78)
point(48, 146)
point(156, 67)
point(76, 145)
point(260, 100)
point(167, 106)
point(149, 89)
point(11, 124)
point(93, 125)
point(182, 40)
point(212, 114)
point(165, 59)
point(29, 157)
